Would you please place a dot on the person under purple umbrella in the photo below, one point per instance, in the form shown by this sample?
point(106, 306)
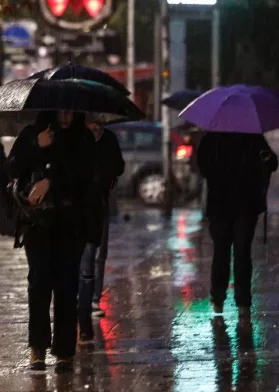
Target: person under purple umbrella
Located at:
point(237, 168)
point(237, 163)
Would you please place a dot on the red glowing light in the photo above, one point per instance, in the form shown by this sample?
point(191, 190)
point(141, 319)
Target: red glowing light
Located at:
point(93, 7)
point(58, 7)
point(184, 152)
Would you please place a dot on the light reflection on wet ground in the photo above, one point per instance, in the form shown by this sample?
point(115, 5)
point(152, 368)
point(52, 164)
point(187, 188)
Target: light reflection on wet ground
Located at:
point(159, 333)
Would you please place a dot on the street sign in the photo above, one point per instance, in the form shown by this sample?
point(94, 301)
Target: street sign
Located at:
point(17, 36)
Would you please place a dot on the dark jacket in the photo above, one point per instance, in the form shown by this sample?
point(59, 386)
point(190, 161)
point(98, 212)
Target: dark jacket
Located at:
point(109, 163)
point(237, 168)
point(68, 163)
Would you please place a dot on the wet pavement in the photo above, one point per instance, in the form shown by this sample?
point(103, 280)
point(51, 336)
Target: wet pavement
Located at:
point(159, 333)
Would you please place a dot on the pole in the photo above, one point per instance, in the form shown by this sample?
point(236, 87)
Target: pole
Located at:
point(158, 67)
point(167, 147)
point(215, 47)
point(131, 48)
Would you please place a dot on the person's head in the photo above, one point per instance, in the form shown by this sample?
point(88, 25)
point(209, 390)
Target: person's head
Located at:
point(65, 119)
point(95, 128)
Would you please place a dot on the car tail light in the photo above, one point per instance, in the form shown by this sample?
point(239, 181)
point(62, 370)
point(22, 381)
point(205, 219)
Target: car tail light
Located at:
point(184, 151)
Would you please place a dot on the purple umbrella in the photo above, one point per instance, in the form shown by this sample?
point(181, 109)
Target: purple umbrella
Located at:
point(239, 108)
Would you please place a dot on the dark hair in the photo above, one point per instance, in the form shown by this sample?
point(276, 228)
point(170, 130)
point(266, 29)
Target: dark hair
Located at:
point(44, 119)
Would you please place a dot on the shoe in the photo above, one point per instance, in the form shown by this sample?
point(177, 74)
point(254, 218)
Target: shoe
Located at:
point(86, 333)
point(64, 365)
point(218, 308)
point(244, 312)
point(218, 322)
point(86, 338)
point(37, 360)
point(96, 310)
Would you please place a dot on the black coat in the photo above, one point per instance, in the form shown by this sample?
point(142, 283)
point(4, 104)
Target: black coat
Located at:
point(109, 163)
point(70, 160)
point(237, 168)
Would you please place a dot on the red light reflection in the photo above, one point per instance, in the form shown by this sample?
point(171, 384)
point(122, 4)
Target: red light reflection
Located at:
point(107, 326)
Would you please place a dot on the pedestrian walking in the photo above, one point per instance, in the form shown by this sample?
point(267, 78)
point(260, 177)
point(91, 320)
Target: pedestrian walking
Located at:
point(237, 169)
point(109, 165)
point(52, 163)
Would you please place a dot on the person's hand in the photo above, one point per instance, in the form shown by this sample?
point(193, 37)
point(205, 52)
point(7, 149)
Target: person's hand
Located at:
point(38, 192)
point(45, 138)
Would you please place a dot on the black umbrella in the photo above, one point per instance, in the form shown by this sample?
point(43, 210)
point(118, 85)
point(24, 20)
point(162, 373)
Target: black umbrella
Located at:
point(71, 71)
point(180, 99)
point(24, 99)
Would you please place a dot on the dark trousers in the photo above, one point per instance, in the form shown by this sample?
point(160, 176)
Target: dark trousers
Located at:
point(53, 255)
point(228, 233)
point(92, 268)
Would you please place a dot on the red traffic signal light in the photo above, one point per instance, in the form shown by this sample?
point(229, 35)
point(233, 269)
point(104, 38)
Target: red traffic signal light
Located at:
point(58, 7)
point(92, 7)
point(76, 14)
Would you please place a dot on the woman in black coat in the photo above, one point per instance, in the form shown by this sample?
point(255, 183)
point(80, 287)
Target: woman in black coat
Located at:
point(58, 152)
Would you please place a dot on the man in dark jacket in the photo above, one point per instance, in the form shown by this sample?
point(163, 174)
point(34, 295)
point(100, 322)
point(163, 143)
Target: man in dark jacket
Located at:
point(109, 165)
point(237, 169)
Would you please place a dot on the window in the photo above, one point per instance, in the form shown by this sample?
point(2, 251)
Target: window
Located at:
point(145, 140)
point(125, 139)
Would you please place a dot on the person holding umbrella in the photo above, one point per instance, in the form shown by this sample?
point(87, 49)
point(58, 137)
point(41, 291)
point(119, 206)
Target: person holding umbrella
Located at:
point(237, 164)
point(52, 168)
point(52, 163)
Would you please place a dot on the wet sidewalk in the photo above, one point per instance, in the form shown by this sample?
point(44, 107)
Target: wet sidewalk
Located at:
point(159, 333)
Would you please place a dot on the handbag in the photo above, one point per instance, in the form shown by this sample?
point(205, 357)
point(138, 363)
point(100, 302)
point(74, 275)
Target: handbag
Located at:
point(40, 214)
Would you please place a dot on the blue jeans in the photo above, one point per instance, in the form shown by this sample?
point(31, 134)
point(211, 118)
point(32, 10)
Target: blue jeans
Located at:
point(92, 269)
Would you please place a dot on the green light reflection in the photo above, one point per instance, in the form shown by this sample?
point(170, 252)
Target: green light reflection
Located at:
point(191, 344)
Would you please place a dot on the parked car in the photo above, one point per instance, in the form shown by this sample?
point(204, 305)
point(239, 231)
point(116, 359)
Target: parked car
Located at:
point(141, 144)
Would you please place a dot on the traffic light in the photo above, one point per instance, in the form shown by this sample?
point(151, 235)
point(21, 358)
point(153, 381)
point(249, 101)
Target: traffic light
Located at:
point(92, 7)
point(58, 7)
point(76, 15)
